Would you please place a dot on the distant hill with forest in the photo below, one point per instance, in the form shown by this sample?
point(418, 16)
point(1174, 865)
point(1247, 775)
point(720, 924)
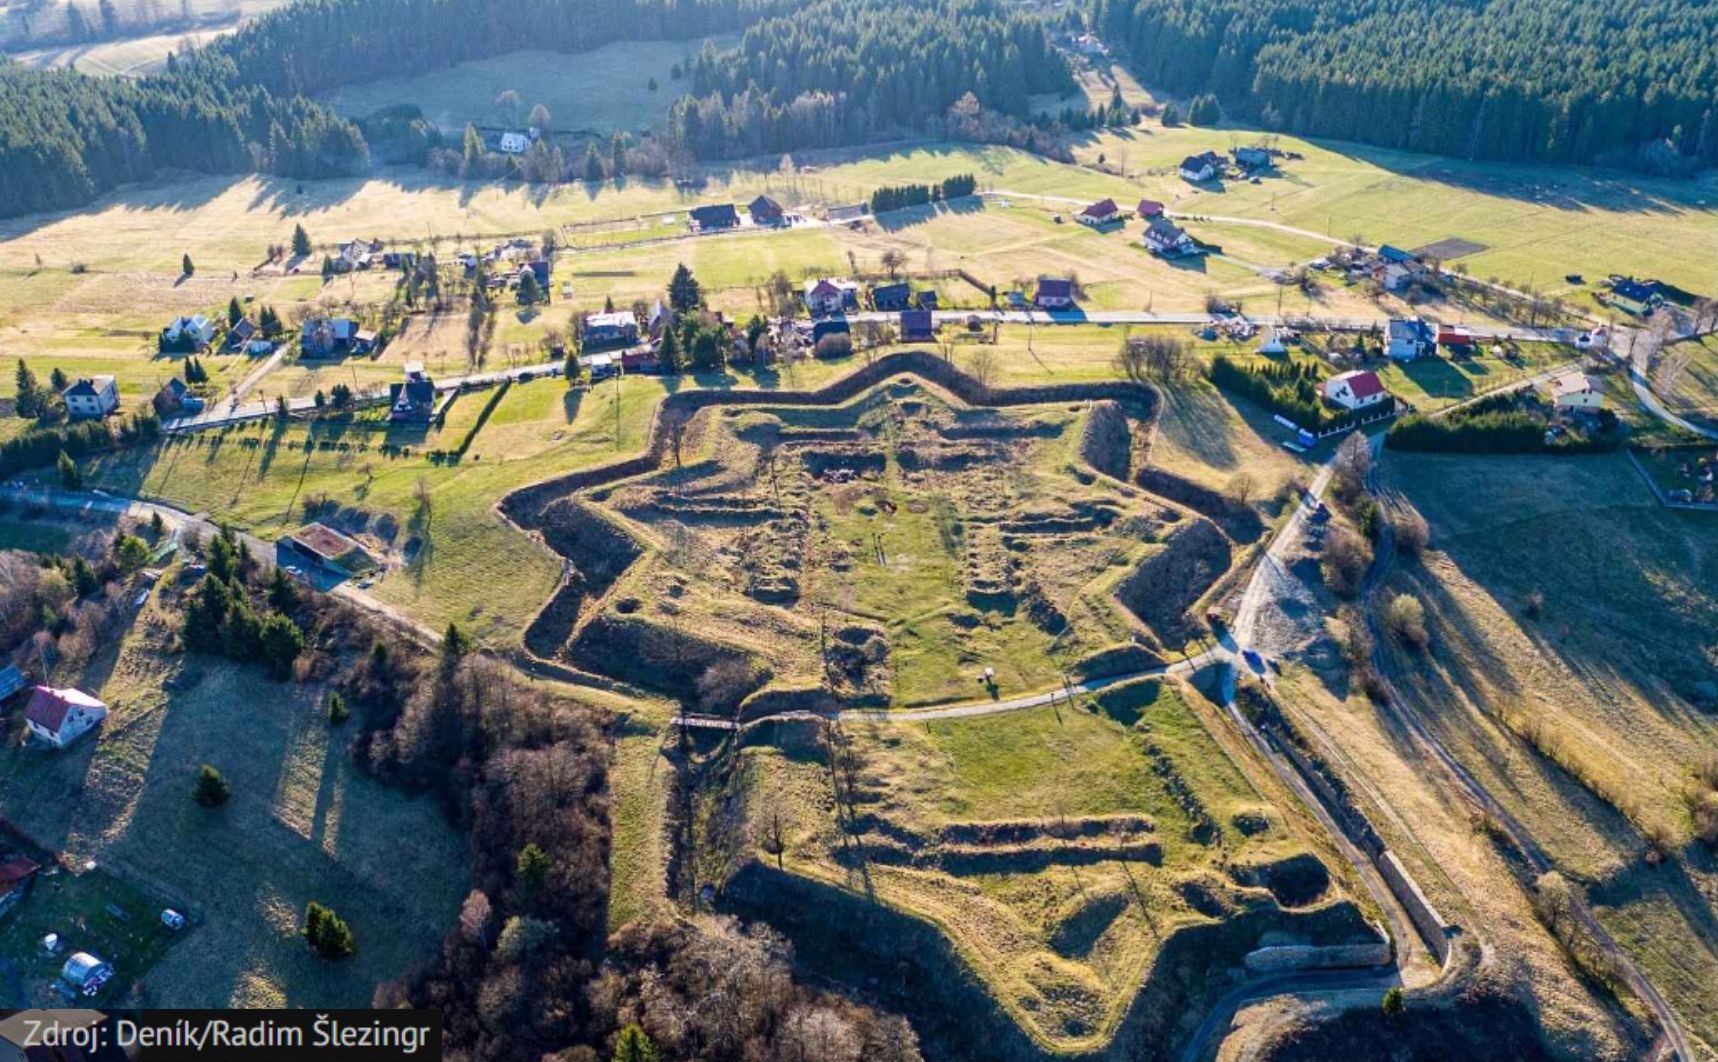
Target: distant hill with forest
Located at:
point(1573, 81)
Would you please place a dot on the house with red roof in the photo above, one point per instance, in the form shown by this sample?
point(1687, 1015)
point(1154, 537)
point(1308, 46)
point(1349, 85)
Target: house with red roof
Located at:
point(60, 717)
point(1149, 208)
point(1355, 390)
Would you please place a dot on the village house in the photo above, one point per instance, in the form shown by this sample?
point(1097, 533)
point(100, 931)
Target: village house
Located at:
point(188, 335)
point(1252, 158)
point(917, 326)
point(1636, 297)
point(412, 400)
point(241, 334)
point(829, 326)
point(17, 872)
point(513, 142)
point(1201, 168)
point(1575, 392)
point(1407, 338)
point(1054, 293)
point(91, 397)
point(176, 400)
point(1099, 214)
point(766, 211)
point(890, 297)
point(658, 318)
point(59, 717)
point(1393, 276)
point(1164, 237)
point(1149, 208)
point(1355, 390)
point(600, 366)
point(845, 215)
point(617, 326)
point(356, 254)
point(824, 295)
point(714, 218)
point(332, 337)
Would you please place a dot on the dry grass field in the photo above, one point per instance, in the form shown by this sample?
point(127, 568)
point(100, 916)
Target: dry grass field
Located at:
point(1060, 851)
point(1571, 620)
point(918, 541)
point(596, 92)
point(303, 824)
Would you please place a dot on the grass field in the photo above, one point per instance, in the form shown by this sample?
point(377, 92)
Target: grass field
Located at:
point(303, 824)
point(933, 564)
point(1063, 948)
point(147, 32)
point(1564, 684)
point(1695, 394)
point(596, 92)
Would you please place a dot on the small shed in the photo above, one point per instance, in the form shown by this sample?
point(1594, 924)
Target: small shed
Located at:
point(11, 681)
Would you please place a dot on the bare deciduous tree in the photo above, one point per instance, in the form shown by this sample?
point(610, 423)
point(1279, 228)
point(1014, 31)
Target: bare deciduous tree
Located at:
point(983, 366)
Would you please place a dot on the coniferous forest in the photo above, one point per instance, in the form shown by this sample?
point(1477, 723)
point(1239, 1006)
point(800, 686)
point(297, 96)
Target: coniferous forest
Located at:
point(240, 104)
point(1574, 81)
point(839, 72)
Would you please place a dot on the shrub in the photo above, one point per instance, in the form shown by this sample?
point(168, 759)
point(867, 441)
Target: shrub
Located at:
point(632, 1045)
point(1393, 1004)
point(834, 346)
point(337, 711)
point(1406, 618)
point(1346, 558)
point(521, 936)
point(212, 790)
point(1413, 534)
point(282, 641)
point(327, 933)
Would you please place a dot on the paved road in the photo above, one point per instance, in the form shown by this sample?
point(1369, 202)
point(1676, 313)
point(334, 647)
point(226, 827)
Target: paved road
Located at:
point(1300, 985)
point(1648, 398)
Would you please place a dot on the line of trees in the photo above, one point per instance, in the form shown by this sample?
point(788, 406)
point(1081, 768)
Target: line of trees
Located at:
point(1497, 426)
point(1579, 81)
point(901, 196)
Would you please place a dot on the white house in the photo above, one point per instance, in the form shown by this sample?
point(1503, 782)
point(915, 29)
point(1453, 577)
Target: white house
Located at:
point(1099, 214)
point(1355, 390)
point(60, 717)
point(515, 143)
point(1576, 392)
point(91, 397)
point(1166, 238)
point(825, 296)
point(1272, 343)
point(1407, 338)
point(1198, 168)
point(195, 331)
